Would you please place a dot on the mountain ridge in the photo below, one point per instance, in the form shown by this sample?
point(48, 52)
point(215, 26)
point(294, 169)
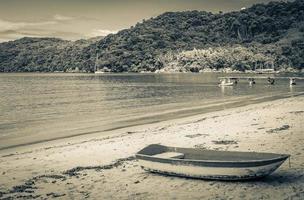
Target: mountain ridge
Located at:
point(274, 30)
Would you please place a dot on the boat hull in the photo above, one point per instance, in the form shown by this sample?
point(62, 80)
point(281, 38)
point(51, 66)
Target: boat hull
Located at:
point(212, 173)
point(225, 84)
point(208, 164)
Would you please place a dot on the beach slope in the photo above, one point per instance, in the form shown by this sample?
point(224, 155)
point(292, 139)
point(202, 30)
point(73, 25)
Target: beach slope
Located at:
point(105, 168)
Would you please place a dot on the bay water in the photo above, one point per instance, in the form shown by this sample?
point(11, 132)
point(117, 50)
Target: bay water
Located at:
point(38, 107)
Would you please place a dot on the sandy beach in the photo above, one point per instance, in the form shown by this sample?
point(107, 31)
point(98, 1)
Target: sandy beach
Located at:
point(98, 167)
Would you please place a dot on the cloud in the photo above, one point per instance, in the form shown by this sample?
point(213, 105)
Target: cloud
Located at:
point(59, 17)
point(13, 35)
point(101, 32)
point(56, 26)
point(16, 34)
point(9, 25)
point(11, 30)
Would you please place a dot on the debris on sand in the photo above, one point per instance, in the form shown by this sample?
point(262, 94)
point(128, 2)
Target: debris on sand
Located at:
point(26, 187)
point(200, 146)
point(224, 142)
point(196, 135)
point(282, 128)
point(200, 120)
point(297, 112)
point(75, 171)
point(54, 195)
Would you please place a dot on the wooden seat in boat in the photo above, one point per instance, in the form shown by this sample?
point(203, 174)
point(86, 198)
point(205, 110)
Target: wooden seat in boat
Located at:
point(175, 155)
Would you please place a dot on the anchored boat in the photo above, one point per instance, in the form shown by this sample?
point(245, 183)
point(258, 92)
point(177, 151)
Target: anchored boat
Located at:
point(226, 82)
point(208, 164)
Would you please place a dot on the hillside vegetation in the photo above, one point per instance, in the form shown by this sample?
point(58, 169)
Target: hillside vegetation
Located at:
point(43, 55)
point(176, 41)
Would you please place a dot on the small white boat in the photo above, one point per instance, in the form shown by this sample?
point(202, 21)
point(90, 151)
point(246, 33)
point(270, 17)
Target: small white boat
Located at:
point(96, 70)
point(99, 72)
point(226, 82)
point(292, 81)
point(208, 164)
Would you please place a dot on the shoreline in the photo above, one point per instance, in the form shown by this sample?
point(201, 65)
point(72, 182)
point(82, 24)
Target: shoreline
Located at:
point(164, 72)
point(156, 118)
point(80, 168)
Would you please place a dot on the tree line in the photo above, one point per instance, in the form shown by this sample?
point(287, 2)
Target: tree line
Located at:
point(274, 31)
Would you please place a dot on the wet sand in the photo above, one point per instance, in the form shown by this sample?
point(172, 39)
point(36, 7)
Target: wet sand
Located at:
point(97, 167)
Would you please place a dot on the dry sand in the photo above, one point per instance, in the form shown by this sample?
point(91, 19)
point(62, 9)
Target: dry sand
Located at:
point(97, 167)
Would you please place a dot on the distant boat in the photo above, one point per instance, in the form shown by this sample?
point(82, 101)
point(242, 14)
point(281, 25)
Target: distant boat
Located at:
point(292, 81)
point(208, 164)
point(97, 71)
point(226, 82)
point(265, 71)
point(262, 70)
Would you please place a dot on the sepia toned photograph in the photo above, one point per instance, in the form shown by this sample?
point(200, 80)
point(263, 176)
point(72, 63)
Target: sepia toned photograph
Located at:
point(152, 99)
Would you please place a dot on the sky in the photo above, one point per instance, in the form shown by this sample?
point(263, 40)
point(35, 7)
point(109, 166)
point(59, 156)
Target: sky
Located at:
point(82, 19)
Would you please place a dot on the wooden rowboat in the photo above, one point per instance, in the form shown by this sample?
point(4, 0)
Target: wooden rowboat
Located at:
point(208, 164)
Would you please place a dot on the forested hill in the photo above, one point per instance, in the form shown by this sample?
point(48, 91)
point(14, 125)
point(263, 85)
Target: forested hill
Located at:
point(44, 55)
point(178, 41)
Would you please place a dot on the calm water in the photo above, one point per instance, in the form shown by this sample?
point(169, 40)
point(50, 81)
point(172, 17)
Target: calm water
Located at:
point(39, 107)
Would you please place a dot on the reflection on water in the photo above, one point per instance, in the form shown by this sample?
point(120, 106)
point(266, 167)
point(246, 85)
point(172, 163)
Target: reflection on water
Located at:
point(291, 88)
point(226, 90)
point(36, 107)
